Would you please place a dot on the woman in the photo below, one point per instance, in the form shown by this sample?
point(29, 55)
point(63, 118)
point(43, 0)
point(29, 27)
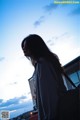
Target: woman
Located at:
point(48, 72)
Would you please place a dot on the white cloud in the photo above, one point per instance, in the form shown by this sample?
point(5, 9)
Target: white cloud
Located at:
point(66, 49)
point(19, 71)
point(17, 108)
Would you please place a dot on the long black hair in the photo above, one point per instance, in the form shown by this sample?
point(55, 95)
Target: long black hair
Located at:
point(38, 49)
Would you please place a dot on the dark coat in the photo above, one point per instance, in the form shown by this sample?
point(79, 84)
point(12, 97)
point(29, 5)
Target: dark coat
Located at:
point(49, 85)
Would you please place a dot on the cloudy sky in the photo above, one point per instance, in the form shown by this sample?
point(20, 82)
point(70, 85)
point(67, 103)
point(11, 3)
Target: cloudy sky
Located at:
point(57, 24)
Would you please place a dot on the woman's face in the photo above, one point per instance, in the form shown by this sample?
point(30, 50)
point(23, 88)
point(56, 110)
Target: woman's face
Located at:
point(27, 53)
point(25, 49)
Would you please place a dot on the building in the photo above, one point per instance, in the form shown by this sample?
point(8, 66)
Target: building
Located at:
point(72, 69)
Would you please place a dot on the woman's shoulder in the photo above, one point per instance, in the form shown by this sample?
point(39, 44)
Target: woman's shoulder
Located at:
point(42, 61)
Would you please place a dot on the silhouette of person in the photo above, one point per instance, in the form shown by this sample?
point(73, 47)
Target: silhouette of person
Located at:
point(48, 73)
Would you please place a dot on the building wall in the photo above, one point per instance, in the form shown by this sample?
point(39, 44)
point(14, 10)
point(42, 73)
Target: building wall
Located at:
point(72, 69)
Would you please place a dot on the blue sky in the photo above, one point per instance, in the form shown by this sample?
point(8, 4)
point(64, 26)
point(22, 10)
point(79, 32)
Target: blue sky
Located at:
point(59, 26)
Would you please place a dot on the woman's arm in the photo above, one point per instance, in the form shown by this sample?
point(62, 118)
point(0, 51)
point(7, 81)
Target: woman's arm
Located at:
point(47, 89)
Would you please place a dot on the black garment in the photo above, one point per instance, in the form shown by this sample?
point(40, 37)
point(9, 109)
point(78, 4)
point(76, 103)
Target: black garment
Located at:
point(49, 86)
